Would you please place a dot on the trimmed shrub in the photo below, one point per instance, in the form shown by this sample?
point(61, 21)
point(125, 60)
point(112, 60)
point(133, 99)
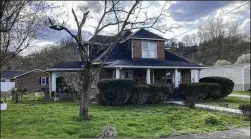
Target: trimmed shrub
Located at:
point(115, 91)
point(140, 93)
point(158, 93)
point(100, 98)
point(227, 85)
point(211, 119)
point(246, 108)
point(198, 92)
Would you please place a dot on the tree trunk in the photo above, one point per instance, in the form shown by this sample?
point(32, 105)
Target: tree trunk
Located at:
point(85, 77)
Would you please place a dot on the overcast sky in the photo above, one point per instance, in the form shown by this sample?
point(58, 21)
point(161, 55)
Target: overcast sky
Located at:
point(189, 14)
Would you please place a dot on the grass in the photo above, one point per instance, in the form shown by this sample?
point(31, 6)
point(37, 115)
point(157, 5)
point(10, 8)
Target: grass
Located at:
point(233, 102)
point(241, 93)
point(42, 119)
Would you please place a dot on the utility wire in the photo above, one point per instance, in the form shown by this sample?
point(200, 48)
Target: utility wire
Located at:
point(211, 20)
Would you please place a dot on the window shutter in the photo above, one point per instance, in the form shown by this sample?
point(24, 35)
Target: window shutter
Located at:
point(47, 80)
point(40, 80)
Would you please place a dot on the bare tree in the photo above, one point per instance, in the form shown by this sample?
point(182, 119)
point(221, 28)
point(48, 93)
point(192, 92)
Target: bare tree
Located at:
point(112, 14)
point(20, 23)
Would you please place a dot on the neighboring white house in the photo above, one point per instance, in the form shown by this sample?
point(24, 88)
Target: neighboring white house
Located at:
point(6, 83)
point(239, 73)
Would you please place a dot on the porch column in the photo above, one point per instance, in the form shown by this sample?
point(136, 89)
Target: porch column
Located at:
point(198, 76)
point(176, 78)
point(148, 80)
point(53, 83)
point(117, 73)
point(50, 90)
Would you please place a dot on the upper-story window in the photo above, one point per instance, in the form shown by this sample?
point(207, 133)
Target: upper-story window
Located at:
point(149, 49)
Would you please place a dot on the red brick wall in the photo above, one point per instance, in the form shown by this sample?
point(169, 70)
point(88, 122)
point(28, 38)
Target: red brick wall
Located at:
point(31, 81)
point(137, 50)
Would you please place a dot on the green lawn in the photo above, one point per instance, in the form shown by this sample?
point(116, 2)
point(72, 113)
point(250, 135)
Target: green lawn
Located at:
point(241, 93)
point(43, 119)
point(233, 102)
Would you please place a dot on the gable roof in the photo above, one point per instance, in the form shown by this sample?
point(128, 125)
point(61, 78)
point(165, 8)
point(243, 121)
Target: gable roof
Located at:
point(145, 34)
point(15, 74)
point(243, 65)
point(11, 74)
point(28, 72)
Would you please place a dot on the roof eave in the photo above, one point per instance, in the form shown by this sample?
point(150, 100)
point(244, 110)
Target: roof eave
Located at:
point(155, 67)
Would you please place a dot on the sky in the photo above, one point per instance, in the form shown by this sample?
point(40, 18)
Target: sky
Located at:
point(187, 14)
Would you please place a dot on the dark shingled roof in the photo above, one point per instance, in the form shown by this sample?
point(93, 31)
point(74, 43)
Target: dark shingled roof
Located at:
point(103, 39)
point(172, 57)
point(68, 64)
point(120, 51)
point(11, 74)
point(122, 55)
point(142, 33)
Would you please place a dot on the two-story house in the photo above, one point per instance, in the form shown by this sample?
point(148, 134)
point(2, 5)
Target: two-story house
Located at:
point(141, 56)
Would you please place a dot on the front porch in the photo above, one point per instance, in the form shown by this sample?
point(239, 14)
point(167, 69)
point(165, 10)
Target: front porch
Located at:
point(171, 76)
point(156, 76)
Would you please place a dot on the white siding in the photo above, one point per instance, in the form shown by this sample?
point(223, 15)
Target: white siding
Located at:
point(247, 78)
point(7, 86)
point(235, 74)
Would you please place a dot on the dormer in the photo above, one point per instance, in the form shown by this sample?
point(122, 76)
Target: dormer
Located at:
point(146, 44)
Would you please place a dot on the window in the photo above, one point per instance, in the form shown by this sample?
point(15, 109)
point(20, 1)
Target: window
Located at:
point(43, 81)
point(149, 49)
point(127, 74)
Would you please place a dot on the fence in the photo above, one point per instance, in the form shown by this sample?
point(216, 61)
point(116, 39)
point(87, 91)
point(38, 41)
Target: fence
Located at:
point(7, 86)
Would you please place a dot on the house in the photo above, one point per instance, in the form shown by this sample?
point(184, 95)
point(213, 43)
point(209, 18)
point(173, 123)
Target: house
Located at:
point(31, 80)
point(140, 56)
point(238, 73)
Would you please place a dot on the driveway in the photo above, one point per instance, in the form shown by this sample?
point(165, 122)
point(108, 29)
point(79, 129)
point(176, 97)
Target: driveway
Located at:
point(232, 133)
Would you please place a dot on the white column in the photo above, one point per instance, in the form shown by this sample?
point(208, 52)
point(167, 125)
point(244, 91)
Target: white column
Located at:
point(153, 76)
point(117, 73)
point(148, 80)
point(53, 82)
point(198, 76)
point(50, 85)
point(176, 78)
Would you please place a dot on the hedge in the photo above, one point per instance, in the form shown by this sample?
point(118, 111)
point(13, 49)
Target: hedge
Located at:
point(140, 93)
point(227, 85)
point(158, 93)
point(115, 91)
point(198, 92)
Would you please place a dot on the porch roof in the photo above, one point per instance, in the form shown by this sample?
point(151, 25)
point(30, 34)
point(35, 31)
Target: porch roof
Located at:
point(67, 66)
point(153, 63)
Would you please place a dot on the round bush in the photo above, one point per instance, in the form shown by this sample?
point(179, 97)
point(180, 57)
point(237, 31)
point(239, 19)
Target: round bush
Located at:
point(115, 91)
point(140, 93)
point(227, 85)
point(198, 92)
point(211, 119)
point(158, 93)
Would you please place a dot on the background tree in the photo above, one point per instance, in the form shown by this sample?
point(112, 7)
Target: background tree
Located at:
point(113, 14)
point(244, 58)
point(20, 23)
point(217, 40)
point(222, 62)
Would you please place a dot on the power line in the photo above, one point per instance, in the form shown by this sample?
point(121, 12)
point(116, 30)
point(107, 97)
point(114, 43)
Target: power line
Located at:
point(210, 20)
